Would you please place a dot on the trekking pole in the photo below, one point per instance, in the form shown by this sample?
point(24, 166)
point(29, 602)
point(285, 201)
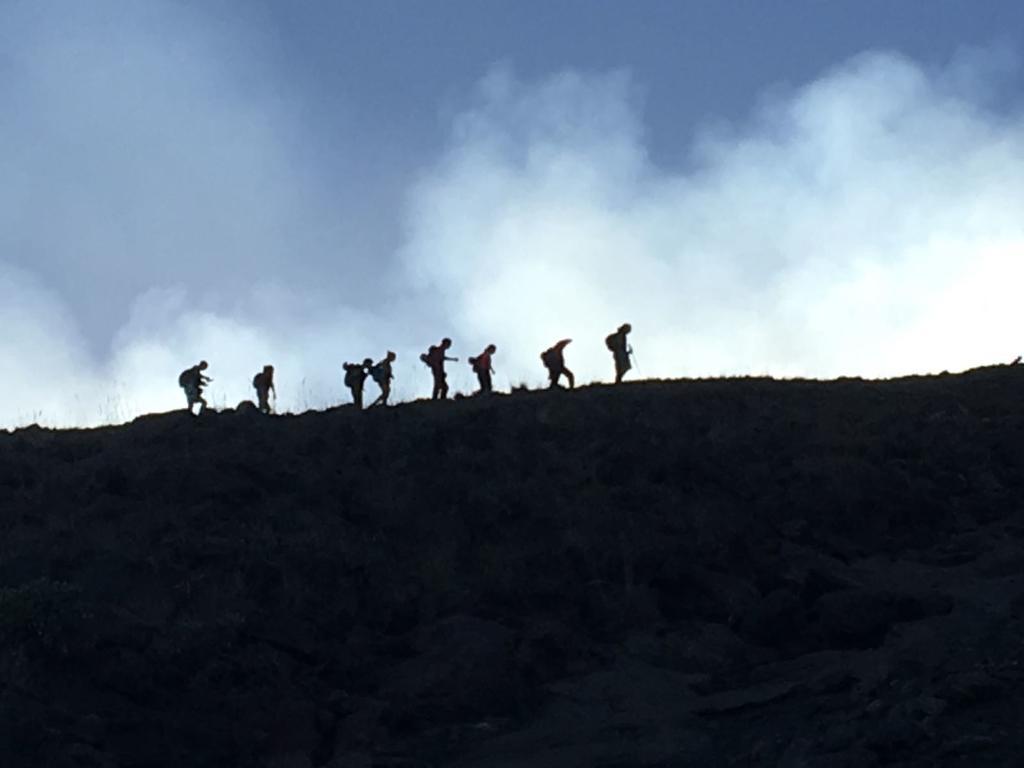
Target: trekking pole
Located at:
point(636, 363)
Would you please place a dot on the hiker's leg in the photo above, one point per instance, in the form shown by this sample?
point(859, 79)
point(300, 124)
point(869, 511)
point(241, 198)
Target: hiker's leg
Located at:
point(622, 366)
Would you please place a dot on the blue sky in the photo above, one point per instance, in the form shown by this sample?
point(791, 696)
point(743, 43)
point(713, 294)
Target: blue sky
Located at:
point(304, 183)
point(397, 63)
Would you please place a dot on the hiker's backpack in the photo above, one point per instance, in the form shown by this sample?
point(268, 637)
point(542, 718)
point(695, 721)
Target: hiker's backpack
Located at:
point(350, 375)
point(378, 374)
point(548, 357)
point(183, 378)
point(256, 380)
point(609, 341)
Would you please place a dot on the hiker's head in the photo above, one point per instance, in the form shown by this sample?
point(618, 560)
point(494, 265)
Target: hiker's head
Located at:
point(391, 355)
point(446, 342)
point(491, 349)
point(203, 365)
point(268, 369)
point(367, 363)
point(625, 328)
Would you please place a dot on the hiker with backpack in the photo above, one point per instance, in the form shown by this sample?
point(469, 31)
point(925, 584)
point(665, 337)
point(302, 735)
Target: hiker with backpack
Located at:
point(355, 377)
point(554, 360)
point(382, 376)
point(481, 365)
point(435, 358)
point(192, 380)
point(263, 383)
point(620, 349)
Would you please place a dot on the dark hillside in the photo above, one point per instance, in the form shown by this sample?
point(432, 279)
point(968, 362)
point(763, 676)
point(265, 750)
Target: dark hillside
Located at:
point(708, 573)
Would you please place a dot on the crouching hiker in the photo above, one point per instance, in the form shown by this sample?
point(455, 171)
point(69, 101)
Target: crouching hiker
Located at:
point(263, 383)
point(382, 376)
point(192, 381)
point(481, 365)
point(554, 360)
point(355, 377)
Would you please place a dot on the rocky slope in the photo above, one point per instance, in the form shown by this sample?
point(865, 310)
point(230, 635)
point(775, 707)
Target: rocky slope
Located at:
point(708, 573)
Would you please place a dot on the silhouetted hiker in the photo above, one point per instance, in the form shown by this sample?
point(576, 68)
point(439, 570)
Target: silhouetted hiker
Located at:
point(620, 349)
point(435, 359)
point(192, 381)
point(1016, 360)
point(481, 365)
point(355, 376)
point(382, 375)
point(264, 384)
point(554, 360)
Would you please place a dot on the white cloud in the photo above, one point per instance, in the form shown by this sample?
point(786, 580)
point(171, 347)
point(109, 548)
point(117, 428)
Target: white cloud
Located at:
point(867, 223)
point(44, 365)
